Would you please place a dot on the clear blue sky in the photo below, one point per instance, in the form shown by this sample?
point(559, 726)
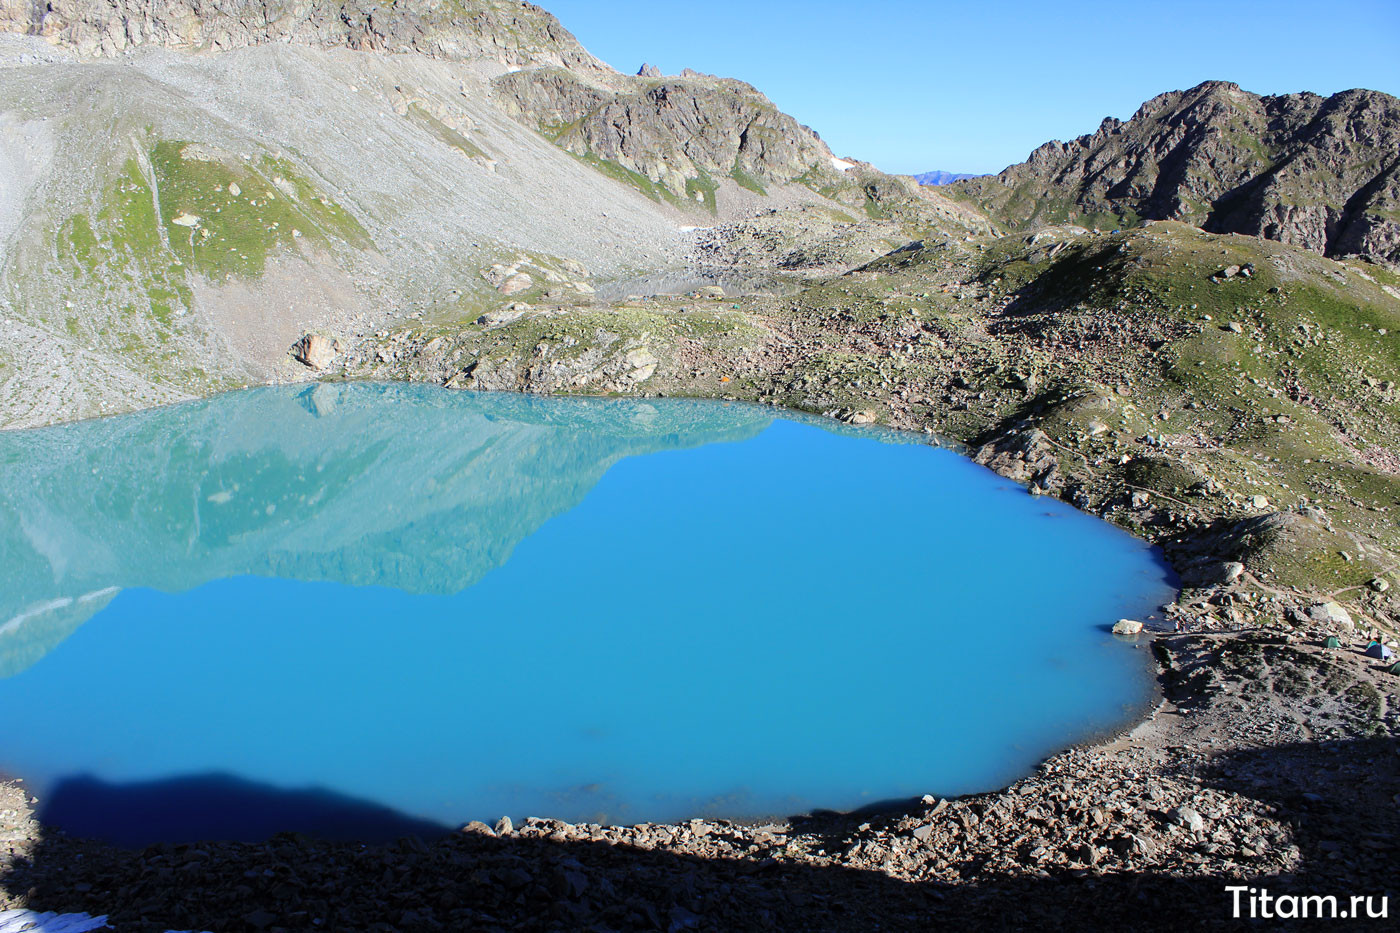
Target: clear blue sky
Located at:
point(975, 86)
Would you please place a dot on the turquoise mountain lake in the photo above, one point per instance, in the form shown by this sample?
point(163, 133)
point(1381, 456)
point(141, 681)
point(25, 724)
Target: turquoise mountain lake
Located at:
point(361, 609)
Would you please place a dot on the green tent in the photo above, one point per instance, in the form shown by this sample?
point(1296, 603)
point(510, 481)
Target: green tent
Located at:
point(1394, 668)
point(1333, 642)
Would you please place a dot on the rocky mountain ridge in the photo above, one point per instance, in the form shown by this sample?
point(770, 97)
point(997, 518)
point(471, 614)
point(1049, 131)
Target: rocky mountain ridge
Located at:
point(683, 134)
point(510, 32)
point(1321, 173)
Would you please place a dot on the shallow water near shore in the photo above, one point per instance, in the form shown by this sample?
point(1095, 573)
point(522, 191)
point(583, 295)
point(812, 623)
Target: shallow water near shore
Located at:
point(360, 610)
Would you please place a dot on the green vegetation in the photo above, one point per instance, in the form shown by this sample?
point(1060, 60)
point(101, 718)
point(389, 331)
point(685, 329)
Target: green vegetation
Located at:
point(745, 180)
point(703, 186)
point(226, 219)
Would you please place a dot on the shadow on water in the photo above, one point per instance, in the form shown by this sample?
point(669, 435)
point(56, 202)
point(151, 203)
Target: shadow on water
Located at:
point(218, 806)
point(1335, 797)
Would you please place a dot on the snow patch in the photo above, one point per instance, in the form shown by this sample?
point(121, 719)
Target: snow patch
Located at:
point(28, 921)
point(841, 165)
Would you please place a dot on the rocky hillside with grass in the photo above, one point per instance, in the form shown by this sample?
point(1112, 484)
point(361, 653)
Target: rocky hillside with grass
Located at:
point(1318, 172)
point(201, 197)
point(677, 136)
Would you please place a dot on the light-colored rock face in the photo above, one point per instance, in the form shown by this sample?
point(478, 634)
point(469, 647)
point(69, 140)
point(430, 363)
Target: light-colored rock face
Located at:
point(510, 33)
point(683, 134)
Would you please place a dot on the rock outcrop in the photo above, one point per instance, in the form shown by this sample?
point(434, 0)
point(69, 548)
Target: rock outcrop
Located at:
point(682, 134)
point(511, 33)
point(1322, 173)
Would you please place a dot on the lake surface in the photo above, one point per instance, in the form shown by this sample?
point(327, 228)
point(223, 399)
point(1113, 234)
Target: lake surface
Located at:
point(362, 610)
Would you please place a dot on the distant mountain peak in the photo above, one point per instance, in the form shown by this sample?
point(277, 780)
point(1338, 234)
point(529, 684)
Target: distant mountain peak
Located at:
point(940, 177)
point(1316, 172)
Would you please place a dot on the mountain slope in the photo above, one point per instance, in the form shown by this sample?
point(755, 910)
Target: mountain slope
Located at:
point(178, 221)
point(1322, 173)
point(191, 188)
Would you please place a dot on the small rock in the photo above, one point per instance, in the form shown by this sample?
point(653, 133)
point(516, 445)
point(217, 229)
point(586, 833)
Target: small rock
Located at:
point(260, 919)
point(1189, 818)
point(1127, 627)
point(1380, 585)
point(865, 416)
point(1235, 327)
point(1259, 503)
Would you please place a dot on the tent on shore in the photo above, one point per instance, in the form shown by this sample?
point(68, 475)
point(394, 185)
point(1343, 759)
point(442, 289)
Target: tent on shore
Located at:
point(1379, 651)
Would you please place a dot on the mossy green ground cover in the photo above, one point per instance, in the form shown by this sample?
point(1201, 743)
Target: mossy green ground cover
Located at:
point(226, 219)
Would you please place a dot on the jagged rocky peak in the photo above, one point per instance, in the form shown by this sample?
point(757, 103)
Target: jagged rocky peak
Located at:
point(684, 134)
point(1322, 173)
point(511, 32)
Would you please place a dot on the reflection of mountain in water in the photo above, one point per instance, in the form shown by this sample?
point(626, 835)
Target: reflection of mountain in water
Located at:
point(409, 487)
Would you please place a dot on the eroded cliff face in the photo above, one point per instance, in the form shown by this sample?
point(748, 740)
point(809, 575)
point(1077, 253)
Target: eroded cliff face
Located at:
point(682, 133)
point(507, 31)
point(1321, 173)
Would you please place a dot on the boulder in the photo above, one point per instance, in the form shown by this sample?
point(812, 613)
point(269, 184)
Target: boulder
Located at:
point(500, 317)
point(1188, 819)
point(316, 351)
point(1332, 615)
point(1127, 627)
point(641, 364)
